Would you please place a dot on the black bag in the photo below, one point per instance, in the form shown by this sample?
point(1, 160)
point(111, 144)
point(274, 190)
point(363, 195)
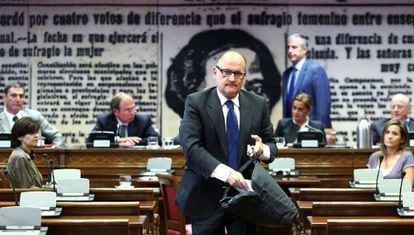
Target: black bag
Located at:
point(268, 205)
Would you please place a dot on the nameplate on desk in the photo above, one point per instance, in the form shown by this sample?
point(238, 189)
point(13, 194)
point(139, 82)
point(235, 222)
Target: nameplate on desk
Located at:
point(101, 143)
point(309, 143)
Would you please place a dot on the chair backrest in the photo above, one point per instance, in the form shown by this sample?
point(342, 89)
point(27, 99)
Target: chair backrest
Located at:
point(20, 216)
point(60, 174)
point(174, 219)
point(4, 180)
point(159, 164)
point(282, 164)
point(40, 199)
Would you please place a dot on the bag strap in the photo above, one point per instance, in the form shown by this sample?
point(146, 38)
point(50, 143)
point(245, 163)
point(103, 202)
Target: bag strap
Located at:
point(252, 160)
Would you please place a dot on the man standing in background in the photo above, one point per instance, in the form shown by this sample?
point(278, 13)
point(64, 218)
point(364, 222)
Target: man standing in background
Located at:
point(308, 77)
point(13, 101)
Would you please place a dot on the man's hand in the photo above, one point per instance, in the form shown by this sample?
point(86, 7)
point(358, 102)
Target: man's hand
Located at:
point(258, 147)
point(129, 141)
point(236, 180)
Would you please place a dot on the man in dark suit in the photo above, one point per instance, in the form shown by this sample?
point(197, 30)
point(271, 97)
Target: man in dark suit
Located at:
point(288, 127)
point(308, 77)
point(131, 127)
point(204, 134)
point(400, 109)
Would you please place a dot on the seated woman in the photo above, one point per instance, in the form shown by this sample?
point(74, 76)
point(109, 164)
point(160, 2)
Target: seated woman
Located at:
point(288, 127)
point(397, 155)
point(22, 172)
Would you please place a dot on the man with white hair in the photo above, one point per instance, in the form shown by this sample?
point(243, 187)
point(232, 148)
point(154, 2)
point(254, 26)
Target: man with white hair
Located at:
point(400, 109)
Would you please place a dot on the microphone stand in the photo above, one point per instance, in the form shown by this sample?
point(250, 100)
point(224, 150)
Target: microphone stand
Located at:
point(352, 167)
point(400, 203)
point(381, 157)
point(51, 176)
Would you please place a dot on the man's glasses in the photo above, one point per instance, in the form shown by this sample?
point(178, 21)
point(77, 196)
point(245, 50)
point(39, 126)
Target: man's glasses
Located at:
point(227, 73)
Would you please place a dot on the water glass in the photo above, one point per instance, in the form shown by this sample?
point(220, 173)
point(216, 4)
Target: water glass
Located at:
point(125, 181)
point(280, 142)
point(152, 142)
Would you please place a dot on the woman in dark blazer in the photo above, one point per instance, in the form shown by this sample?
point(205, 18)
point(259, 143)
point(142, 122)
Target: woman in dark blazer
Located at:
point(288, 127)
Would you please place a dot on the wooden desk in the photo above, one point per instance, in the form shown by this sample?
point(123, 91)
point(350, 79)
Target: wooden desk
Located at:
point(373, 223)
point(326, 164)
point(336, 194)
point(370, 226)
point(133, 194)
point(92, 225)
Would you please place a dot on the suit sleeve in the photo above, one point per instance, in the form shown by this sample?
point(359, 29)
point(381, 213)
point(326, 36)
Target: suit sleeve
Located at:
point(50, 132)
point(199, 160)
point(322, 97)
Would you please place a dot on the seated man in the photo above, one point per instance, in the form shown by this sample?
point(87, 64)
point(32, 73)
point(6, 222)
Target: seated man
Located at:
point(131, 127)
point(13, 101)
point(400, 109)
point(288, 127)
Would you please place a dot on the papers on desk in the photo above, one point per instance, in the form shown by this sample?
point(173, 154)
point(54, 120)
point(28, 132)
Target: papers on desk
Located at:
point(23, 230)
point(389, 189)
point(408, 205)
point(74, 198)
point(74, 190)
point(365, 178)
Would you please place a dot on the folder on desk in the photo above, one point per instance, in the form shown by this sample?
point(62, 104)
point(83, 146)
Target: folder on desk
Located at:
point(283, 166)
point(365, 178)
point(158, 165)
point(407, 209)
point(45, 200)
point(389, 189)
point(21, 220)
point(74, 190)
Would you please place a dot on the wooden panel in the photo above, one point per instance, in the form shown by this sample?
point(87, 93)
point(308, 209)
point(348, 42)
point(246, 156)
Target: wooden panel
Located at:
point(370, 226)
point(333, 164)
point(92, 225)
point(354, 208)
point(336, 194)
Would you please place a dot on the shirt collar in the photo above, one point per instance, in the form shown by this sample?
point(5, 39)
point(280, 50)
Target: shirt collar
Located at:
point(10, 116)
point(224, 99)
point(299, 65)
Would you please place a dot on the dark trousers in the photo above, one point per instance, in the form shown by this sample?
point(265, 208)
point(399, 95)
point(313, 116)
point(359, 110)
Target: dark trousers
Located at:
point(215, 224)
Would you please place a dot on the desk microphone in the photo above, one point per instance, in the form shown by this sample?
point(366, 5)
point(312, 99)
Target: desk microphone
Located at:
point(352, 167)
point(400, 203)
point(381, 157)
point(50, 176)
point(311, 128)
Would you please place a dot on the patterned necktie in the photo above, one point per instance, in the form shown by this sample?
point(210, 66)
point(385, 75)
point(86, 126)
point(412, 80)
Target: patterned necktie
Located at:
point(232, 134)
point(122, 131)
point(291, 91)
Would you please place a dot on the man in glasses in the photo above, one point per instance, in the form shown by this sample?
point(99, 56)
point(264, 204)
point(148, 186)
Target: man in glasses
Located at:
point(14, 109)
point(131, 128)
point(218, 125)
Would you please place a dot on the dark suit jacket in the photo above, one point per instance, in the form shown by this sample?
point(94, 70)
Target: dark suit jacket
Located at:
point(378, 126)
point(203, 138)
point(313, 81)
point(286, 128)
point(141, 126)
